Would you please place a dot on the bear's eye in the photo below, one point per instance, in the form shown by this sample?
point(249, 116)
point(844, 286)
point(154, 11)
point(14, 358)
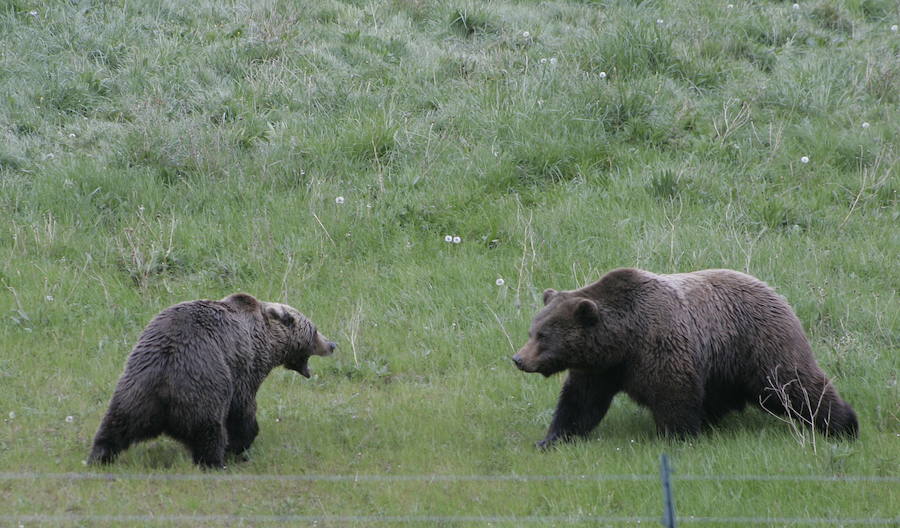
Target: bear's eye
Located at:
point(540, 335)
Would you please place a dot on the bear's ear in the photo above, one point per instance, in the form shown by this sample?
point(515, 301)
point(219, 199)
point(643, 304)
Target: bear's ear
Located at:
point(587, 312)
point(277, 312)
point(243, 301)
point(548, 295)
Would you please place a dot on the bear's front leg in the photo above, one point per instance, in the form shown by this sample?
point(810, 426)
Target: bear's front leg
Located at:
point(678, 418)
point(583, 402)
point(242, 426)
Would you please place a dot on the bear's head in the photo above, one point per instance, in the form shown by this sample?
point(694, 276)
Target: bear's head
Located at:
point(562, 335)
point(297, 335)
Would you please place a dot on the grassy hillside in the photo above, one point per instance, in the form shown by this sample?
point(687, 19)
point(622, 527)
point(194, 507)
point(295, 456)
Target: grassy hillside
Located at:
point(159, 151)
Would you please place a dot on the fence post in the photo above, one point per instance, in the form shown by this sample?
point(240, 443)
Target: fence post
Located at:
point(668, 519)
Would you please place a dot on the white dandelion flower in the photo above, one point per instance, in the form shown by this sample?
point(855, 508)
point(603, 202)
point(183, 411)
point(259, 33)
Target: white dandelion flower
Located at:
point(12, 415)
point(456, 240)
point(70, 419)
point(500, 282)
point(339, 200)
point(804, 159)
point(48, 298)
point(603, 75)
point(795, 7)
point(865, 124)
point(544, 60)
point(660, 21)
point(526, 34)
point(448, 238)
point(894, 28)
point(553, 60)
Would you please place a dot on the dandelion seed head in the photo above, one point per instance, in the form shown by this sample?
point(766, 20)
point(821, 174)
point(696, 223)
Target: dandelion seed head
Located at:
point(500, 282)
point(71, 135)
point(448, 238)
point(660, 21)
point(865, 124)
point(894, 28)
point(12, 414)
point(70, 419)
point(33, 13)
point(730, 6)
point(795, 7)
point(526, 34)
point(603, 75)
point(457, 240)
point(804, 159)
point(544, 60)
point(339, 200)
point(48, 298)
point(553, 60)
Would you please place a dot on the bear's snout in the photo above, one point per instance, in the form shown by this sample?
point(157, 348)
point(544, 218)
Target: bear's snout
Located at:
point(518, 362)
point(330, 345)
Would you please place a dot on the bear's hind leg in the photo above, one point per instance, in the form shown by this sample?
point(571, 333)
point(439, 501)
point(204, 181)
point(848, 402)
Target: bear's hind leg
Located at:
point(122, 426)
point(811, 400)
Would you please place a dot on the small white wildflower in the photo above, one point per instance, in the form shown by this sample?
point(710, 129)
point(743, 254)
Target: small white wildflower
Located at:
point(12, 415)
point(70, 419)
point(456, 240)
point(339, 200)
point(730, 6)
point(795, 7)
point(48, 298)
point(33, 13)
point(894, 28)
point(865, 124)
point(553, 60)
point(804, 159)
point(448, 238)
point(659, 21)
point(544, 60)
point(71, 135)
point(526, 34)
point(500, 282)
point(603, 75)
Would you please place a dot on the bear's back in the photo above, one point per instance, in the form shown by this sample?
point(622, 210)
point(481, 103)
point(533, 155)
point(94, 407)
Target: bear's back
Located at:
point(735, 319)
point(194, 332)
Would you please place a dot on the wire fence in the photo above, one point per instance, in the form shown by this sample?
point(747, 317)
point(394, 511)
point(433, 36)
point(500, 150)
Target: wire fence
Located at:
point(668, 519)
point(234, 477)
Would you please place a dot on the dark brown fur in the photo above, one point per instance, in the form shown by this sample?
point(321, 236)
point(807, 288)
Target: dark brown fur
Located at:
point(691, 347)
point(194, 373)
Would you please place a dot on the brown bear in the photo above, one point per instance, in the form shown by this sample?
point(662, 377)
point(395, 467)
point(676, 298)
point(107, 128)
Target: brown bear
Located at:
point(194, 373)
point(690, 346)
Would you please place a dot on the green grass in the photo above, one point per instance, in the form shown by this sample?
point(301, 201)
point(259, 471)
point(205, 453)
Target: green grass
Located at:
point(160, 151)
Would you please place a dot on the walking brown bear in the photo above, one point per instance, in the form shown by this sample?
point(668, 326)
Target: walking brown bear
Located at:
point(194, 373)
point(690, 346)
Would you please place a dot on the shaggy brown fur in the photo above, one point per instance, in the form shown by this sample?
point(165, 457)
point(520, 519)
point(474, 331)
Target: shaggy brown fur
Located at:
point(691, 347)
point(194, 373)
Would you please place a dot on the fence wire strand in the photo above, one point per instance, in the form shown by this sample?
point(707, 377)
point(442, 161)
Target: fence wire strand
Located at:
point(236, 477)
point(431, 519)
